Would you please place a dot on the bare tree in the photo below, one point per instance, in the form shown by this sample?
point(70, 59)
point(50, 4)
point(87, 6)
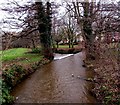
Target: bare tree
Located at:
point(90, 13)
point(57, 39)
point(31, 18)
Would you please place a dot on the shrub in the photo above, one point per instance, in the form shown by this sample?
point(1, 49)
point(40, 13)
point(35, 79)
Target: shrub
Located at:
point(36, 50)
point(35, 66)
point(13, 75)
point(71, 50)
point(66, 51)
point(10, 78)
point(5, 97)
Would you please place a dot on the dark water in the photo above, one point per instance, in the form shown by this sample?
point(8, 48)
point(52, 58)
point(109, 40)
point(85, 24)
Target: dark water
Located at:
point(54, 83)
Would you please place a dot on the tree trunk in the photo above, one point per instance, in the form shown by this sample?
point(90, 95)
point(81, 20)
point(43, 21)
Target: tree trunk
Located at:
point(87, 29)
point(33, 43)
point(57, 45)
point(69, 44)
point(72, 45)
point(44, 27)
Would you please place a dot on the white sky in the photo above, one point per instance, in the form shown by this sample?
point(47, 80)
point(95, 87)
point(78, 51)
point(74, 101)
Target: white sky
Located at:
point(2, 2)
point(4, 14)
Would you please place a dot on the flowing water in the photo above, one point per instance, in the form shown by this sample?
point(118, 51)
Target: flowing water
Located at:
point(57, 82)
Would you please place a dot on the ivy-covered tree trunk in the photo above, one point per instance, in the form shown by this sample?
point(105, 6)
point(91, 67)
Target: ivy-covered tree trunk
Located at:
point(44, 27)
point(87, 29)
point(48, 53)
point(89, 44)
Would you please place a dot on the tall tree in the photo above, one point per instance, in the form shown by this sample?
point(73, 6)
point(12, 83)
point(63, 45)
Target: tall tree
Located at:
point(89, 12)
point(85, 21)
point(44, 27)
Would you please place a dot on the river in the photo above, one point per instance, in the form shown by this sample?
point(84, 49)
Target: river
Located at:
point(57, 82)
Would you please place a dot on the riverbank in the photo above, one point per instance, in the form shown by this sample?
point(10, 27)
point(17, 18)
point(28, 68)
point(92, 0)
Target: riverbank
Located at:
point(107, 74)
point(17, 65)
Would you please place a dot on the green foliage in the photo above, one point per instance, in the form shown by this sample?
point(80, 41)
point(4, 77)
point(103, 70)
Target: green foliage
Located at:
point(107, 95)
point(36, 50)
point(108, 99)
point(35, 66)
point(11, 76)
point(5, 97)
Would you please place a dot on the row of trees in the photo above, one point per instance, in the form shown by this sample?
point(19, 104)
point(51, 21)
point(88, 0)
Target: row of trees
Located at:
point(95, 19)
point(66, 31)
point(89, 18)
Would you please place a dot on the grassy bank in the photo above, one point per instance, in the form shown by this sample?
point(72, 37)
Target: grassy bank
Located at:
point(19, 54)
point(12, 54)
point(17, 64)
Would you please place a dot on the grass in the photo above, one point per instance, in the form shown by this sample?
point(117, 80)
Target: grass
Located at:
point(65, 46)
point(12, 54)
point(19, 54)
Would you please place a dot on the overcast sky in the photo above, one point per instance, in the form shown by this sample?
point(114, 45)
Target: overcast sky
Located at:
point(2, 2)
point(4, 14)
